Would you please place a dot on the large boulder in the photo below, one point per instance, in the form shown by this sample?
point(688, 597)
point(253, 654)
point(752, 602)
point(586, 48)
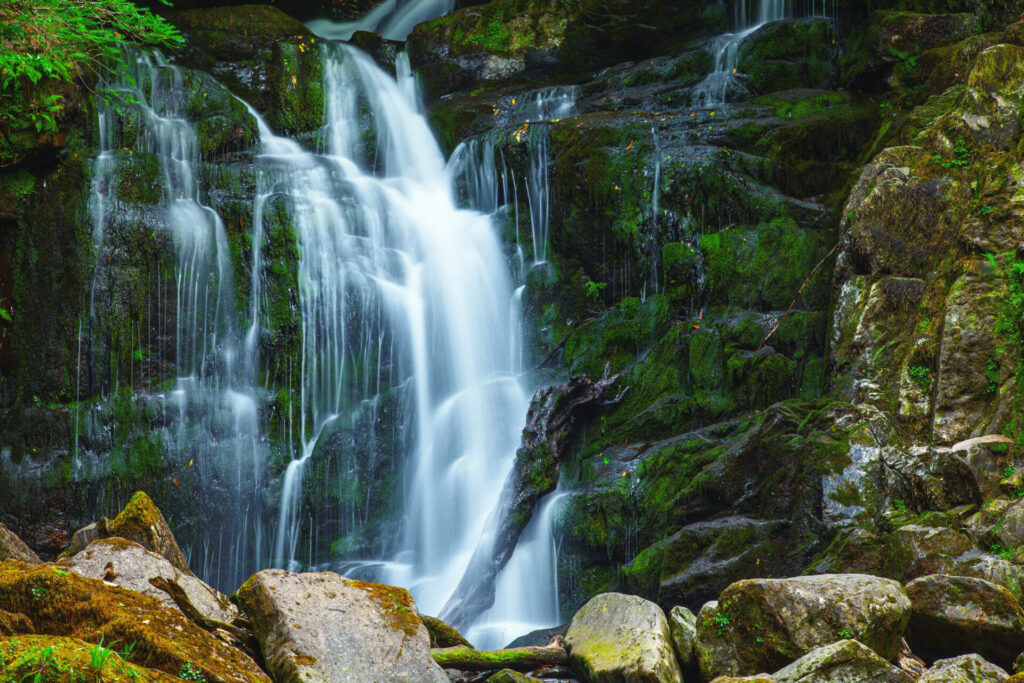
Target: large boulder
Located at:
point(764, 624)
point(13, 548)
point(846, 661)
point(129, 565)
point(324, 627)
point(954, 615)
point(58, 602)
point(622, 637)
point(964, 669)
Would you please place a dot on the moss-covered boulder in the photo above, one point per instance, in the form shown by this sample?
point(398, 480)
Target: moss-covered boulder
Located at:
point(326, 627)
point(764, 624)
point(955, 615)
point(845, 660)
point(62, 603)
point(622, 637)
point(964, 669)
point(142, 522)
point(897, 37)
point(512, 40)
point(441, 634)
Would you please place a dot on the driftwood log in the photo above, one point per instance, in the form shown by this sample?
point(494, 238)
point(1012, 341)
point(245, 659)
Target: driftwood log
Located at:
point(519, 658)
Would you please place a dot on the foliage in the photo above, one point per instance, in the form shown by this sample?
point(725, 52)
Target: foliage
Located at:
point(594, 289)
point(922, 376)
point(46, 45)
point(961, 156)
point(191, 673)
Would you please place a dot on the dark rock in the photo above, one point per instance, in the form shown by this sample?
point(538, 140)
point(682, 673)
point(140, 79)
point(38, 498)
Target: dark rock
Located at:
point(954, 615)
point(764, 624)
point(13, 548)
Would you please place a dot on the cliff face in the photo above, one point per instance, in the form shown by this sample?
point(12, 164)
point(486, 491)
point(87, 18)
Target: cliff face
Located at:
point(809, 295)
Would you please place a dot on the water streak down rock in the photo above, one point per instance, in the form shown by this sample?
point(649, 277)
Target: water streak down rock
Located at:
point(549, 424)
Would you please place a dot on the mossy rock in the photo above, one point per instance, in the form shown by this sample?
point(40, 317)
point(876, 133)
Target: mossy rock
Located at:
point(58, 659)
point(788, 54)
point(142, 522)
point(61, 603)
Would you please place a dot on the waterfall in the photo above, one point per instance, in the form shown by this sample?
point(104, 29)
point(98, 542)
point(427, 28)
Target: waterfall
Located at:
point(725, 49)
point(393, 19)
point(211, 411)
point(400, 293)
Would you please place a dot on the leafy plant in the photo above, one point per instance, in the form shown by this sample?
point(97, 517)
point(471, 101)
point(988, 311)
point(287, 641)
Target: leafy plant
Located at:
point(38, 593)
point(845, 633)
point(961, 156)
point(51, 44)
point(899, 505)
point(191, 673)
point(98, 656)
point(992, 376)
point(594, 289)
point(43, 664)
point(908, 60)
point(922, 375)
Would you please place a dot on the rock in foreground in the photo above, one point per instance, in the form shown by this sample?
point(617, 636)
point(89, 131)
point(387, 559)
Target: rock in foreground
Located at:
point(762, 625)
point(622, 637)
point(324, 627)
point(964, 669)
point(846, 661)
point(955, 615)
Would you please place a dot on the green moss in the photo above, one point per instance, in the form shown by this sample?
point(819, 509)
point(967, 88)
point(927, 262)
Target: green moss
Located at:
point(68, 605)
point(394, 604)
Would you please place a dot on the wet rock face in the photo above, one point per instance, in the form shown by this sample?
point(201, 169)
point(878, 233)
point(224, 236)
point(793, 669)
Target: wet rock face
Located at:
point(622, 637)
point(326, 627)
point(763, 624)
point(955, 615)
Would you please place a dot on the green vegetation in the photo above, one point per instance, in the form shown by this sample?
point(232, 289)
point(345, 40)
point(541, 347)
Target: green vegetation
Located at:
point(922, 376)
point(961, 156)
point(51, 44)
point(191, 673)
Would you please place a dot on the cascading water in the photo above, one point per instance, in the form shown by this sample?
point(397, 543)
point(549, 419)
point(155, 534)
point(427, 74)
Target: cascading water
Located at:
point(401, 293)
point(211, 412)
point(393, 19)
point(390, 261)
point(725, 49)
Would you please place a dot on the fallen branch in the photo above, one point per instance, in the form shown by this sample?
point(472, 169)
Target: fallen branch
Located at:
point(797, 297)
point(518, 658)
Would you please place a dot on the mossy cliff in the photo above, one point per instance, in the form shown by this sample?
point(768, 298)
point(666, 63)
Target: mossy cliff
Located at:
point(809, 297)
point(825, 242)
